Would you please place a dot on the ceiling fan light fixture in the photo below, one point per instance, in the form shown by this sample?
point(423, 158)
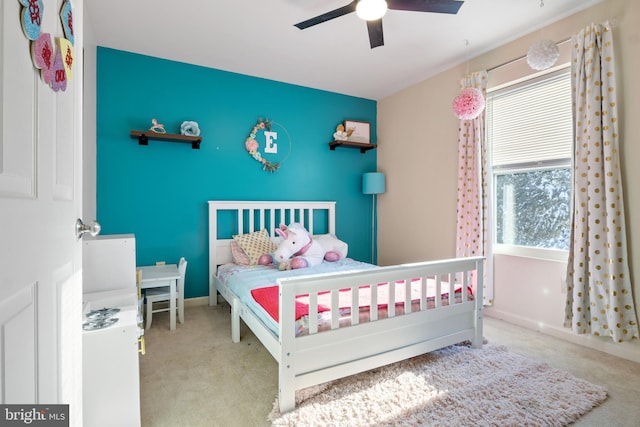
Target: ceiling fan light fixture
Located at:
point(370, 10)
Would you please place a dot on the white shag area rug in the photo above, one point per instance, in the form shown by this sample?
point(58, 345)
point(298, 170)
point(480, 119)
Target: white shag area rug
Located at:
point(455, 386)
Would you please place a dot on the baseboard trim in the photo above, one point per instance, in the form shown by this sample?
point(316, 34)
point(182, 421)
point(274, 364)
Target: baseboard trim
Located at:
point(194, 302)
point(623, 350)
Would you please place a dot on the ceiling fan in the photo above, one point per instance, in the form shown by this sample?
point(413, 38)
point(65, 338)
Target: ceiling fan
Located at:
point(373, 10)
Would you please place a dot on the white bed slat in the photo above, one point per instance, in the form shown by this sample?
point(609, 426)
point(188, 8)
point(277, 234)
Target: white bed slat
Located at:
point(272, 223)
point(407, 296)
point(465, 284)
point(451, 280)
point(391, 307)
point(447, 280)
point(335, 310)
point(313, 313)
point(240, 222)
point(373, 308)
point(355, 305)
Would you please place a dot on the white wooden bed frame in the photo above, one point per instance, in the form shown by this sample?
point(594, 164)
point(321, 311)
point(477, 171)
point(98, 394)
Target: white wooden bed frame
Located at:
point(342, 351)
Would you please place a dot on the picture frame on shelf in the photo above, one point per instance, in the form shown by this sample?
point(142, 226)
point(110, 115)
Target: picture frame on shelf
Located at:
point(361, 131)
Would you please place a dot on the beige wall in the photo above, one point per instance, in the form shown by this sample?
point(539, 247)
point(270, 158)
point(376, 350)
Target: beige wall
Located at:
point(417, 151)
point(417, 137)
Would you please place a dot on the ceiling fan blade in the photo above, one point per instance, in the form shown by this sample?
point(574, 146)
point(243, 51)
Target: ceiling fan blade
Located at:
point(437, 6)
point(344, 10)
point(376, 38)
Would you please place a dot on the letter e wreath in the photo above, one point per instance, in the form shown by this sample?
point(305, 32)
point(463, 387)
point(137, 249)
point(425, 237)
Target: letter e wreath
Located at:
point(252, 145)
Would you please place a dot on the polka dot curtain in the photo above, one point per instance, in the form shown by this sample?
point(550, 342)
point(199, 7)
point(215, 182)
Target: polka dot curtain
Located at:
point(472, 231)
point(599, 298)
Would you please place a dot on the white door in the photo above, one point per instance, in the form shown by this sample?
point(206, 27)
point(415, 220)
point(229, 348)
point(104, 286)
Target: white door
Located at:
point(40, 199)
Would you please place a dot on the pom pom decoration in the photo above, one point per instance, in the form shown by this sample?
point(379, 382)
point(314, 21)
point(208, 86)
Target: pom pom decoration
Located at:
point(542, 55)
point(469, 104)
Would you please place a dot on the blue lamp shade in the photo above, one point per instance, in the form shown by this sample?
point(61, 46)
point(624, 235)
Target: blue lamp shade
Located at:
point(373, 183)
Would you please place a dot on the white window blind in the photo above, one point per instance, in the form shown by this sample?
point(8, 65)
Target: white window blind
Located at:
point(535, 125)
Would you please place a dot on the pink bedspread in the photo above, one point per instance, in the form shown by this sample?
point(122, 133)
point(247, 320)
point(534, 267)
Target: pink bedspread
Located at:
point(268, 297)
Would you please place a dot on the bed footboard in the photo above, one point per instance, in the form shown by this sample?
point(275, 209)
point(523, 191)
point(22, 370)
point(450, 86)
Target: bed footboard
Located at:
point(323, 356)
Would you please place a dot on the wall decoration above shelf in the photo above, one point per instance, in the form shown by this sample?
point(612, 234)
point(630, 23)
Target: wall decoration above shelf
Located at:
point(352, 144)
point(143, 137)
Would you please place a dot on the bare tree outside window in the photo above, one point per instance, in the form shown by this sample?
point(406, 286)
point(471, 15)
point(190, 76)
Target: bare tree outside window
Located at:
point(533, 208)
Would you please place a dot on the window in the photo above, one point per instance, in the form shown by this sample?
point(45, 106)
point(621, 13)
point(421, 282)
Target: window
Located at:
point(529, 132)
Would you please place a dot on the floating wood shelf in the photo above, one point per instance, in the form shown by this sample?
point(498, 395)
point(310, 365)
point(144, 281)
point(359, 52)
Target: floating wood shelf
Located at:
point(143, 137)
point(352, 144)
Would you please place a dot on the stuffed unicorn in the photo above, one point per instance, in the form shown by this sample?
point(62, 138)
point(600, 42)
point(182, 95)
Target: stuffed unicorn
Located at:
point(299, 249)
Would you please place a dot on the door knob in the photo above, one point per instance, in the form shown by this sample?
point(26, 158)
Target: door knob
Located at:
point(81, 228)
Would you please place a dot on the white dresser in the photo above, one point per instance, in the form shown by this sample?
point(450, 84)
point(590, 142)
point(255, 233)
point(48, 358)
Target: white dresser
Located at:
point(111, 366)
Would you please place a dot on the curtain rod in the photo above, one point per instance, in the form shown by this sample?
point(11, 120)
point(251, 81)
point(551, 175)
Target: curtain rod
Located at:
point(504, 64)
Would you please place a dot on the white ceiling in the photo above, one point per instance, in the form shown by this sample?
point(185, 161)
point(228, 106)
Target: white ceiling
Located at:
point(257, 38)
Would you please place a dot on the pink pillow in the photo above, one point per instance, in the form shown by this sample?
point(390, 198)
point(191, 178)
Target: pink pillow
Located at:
point(255, 244)
point(239, 256)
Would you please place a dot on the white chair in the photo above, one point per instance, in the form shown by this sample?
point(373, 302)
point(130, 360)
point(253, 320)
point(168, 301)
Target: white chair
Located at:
point(163, 294)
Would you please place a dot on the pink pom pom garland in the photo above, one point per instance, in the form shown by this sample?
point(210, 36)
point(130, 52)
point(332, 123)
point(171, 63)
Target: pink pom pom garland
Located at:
point(469, 104)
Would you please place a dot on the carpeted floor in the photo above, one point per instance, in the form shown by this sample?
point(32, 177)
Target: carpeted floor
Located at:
point(455, 386)
point(195, 376)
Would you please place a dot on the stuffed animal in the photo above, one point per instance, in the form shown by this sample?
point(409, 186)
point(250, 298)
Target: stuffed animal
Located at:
point(341, 134)
point(299, 249)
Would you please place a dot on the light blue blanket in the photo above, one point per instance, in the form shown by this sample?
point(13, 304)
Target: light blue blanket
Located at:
point(241, 279)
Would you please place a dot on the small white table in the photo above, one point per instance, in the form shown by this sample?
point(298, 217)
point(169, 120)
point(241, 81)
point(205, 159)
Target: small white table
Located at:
point(157, 276)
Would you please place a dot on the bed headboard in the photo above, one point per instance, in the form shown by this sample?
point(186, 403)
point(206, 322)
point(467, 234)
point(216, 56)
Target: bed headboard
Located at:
point(227, 218)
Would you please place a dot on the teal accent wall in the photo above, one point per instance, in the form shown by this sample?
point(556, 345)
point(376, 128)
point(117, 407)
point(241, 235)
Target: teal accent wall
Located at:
point(159, 192)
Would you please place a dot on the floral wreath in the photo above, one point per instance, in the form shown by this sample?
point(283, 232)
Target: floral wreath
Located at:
point(251, 145)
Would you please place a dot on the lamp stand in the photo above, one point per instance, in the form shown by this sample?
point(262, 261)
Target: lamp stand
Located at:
point(373, 227)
